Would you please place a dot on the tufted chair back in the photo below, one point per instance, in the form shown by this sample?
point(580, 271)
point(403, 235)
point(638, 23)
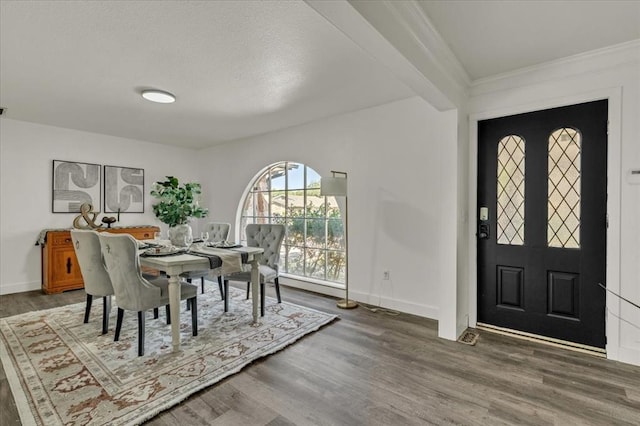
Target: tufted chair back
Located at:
point(87, 247)
point(218, 231)
point(133, 293)
point(268, 237)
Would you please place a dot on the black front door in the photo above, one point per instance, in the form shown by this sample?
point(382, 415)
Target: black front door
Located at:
point(542, 222)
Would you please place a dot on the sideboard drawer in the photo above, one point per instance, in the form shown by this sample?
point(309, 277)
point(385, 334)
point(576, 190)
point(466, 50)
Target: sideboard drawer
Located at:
point(139, 233)
point(59, 238)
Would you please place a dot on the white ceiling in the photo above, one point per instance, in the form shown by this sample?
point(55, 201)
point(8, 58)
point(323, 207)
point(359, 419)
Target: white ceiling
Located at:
point(244, 68)
point(237, 68)
point(494, 37)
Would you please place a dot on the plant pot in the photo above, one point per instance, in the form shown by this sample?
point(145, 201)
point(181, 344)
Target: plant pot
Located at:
point(181, 235)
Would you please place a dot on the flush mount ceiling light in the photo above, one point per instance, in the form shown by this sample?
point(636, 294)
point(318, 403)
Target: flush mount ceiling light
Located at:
point(159, 96)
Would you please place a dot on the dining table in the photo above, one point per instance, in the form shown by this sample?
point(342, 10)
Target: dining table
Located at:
point(185, 261)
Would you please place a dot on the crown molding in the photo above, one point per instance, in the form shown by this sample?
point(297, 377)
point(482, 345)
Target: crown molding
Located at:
point(587, 62)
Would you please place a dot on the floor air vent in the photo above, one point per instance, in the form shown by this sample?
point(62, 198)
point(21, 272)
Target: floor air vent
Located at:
point(469, 337)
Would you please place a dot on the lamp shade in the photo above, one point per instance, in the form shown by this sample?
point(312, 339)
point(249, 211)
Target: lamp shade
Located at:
point(333, 186)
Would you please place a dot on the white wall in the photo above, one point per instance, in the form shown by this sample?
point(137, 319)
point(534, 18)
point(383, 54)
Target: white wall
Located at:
point(399, 160)
point(613, 74)
point(26, 154)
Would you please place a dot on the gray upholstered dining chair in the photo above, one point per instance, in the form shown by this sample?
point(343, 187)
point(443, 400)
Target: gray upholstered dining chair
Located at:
point(132, 291)
point(218, 232)
point(268, 237)
point(96, 279)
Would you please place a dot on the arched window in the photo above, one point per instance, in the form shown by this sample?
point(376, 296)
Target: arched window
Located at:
point(289, 193)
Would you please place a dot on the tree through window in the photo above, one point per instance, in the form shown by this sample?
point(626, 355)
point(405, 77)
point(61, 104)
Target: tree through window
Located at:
point(289, 193)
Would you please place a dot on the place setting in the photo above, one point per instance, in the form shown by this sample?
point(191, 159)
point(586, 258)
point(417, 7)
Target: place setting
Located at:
point(159, 247)
point(197, 246)
point(219, 253)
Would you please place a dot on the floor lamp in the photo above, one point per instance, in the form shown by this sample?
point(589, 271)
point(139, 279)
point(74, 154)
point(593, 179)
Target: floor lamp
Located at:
point(336, 185)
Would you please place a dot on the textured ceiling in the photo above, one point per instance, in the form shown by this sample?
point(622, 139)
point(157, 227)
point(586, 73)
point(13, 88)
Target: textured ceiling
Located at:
point(242, 68)
point(237, 68)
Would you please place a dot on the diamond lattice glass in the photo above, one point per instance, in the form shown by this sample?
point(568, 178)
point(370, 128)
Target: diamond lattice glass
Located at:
point(510, 196)
point(563, 225)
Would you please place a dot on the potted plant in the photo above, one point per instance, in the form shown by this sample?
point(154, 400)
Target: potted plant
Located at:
point(177, 204)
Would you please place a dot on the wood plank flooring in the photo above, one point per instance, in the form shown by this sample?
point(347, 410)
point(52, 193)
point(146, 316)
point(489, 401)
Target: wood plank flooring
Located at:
point(374, 369)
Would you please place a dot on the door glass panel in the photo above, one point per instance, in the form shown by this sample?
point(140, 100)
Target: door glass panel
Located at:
point(510, 205)
point(563, 224)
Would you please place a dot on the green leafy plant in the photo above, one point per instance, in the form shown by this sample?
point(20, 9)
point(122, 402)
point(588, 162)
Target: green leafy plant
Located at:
point(177, 203)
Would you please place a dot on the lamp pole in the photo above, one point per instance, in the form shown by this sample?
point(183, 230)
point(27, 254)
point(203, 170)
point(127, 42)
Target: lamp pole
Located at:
point(346, 303)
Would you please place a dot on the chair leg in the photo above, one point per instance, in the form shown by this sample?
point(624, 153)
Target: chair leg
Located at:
point(202, 284)
point(106, 310)
point(277, 284)
point(118, 324)
point(194, 315)
point(189, 281)
point(248, 289)
point(226, 292)
point(167, 309)
point(87, 308)
point(262, 299)
point(140, 333)
point(156, 314)
point(220, 287)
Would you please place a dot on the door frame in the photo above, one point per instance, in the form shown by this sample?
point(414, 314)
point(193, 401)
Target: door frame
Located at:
point(614, 144)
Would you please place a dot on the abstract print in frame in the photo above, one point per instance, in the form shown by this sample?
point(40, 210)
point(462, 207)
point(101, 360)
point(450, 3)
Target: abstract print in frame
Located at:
point(74, 184)
point(123, 190)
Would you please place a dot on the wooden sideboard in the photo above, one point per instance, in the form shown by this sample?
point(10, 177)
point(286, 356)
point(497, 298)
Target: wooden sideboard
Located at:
point(60, 269)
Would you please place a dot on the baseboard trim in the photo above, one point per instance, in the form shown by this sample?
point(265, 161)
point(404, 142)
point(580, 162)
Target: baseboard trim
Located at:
point(326, 290)
point(577, 347)
point(373, 300)
point(426, 311)
point(20, 287)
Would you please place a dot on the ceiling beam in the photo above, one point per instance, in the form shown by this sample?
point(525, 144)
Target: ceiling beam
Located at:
point(363, 32)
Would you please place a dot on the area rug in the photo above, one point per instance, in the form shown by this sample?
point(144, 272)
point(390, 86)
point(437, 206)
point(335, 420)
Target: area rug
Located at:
point(63, 371)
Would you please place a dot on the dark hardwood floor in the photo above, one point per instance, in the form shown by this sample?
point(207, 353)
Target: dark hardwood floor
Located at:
point(374, 369)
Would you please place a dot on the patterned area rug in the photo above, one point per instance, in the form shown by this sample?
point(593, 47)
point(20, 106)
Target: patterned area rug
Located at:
point(62, 371)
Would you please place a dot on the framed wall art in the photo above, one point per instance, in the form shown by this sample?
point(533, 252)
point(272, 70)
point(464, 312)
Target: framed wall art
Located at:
point(123, 190)
point(74, 184)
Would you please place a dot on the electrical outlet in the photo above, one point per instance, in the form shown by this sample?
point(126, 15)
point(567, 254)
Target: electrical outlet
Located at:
point(386, 275)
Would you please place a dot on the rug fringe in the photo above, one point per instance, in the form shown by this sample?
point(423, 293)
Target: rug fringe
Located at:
point(19, 395)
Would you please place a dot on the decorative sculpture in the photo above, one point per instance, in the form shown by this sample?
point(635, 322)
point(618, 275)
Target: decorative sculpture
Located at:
point(108, 220)
point(86, 212)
